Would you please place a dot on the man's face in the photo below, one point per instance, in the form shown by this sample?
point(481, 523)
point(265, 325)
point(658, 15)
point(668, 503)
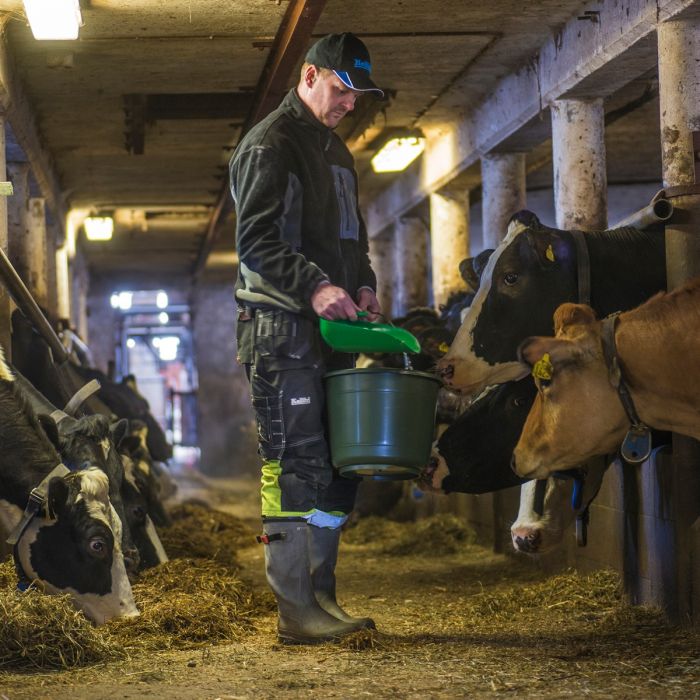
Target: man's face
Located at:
point(329, 99)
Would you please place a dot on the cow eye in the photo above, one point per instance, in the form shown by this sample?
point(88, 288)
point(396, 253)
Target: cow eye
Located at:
point(510, 278)
point(519, 401)
point(542, 383)
point(98, 547)
point(139, 512)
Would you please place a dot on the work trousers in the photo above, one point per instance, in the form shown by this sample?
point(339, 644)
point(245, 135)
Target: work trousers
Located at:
point(289, 360)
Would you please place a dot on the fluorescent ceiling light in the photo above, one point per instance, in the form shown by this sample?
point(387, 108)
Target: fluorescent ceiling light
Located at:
point(162, 300)
point(54, 19)
point(397, 154)
point(99, 228)
point(121, 300)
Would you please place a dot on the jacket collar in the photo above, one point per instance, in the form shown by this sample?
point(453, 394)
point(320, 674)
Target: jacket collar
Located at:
point(293, 103)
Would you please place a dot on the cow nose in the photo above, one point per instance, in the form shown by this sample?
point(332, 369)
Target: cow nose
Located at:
point(529, 543)
point(447, 372)
point(132, 559)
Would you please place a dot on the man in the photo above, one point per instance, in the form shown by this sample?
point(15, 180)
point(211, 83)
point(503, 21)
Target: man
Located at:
point(303, 253)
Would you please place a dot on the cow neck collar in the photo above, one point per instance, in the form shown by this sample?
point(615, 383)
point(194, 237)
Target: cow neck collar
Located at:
point(636, 447)
point(583, 267)
point(37, 498)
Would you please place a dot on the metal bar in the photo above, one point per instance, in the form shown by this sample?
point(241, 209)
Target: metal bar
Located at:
point(653, 214)
point(24, 300)
point(290, 41)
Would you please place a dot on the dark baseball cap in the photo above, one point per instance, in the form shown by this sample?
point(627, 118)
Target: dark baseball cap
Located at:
point(347, 57)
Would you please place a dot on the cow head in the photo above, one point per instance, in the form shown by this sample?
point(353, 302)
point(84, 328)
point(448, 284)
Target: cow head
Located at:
point(90, 442)
point(136, 507)
point(526, 278)
point(473, 455)
point(541, 523)
point(577, 413)
point(74, 547)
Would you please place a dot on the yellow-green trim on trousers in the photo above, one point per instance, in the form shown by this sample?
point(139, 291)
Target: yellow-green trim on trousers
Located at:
point(271, 495)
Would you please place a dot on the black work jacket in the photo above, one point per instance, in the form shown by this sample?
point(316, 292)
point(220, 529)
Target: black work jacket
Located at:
point(298, 220)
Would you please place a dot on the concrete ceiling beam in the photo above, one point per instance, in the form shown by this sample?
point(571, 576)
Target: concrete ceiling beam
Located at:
point(288, 47)
point(595, 54)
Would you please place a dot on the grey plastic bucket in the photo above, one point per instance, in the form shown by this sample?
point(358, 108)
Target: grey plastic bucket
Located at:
point(381, 421)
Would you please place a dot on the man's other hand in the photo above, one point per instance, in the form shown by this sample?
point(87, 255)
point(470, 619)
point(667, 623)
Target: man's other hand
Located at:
point(329, 301)
point(367, 301)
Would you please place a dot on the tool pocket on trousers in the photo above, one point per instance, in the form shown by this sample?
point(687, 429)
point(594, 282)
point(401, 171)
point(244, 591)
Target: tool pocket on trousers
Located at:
point(285, 340)
point(267, 405)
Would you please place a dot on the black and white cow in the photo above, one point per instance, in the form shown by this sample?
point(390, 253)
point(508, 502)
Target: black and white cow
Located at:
point(73, 544)
point(532, 272)
point(91, 441)
point(473, 455)
point(546, 510)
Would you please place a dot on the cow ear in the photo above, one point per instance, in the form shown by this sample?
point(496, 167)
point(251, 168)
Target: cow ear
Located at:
point(572, 315)
point(119, 430)
point(129, 445)
point(50, 428)
point(523, 219)
point(57, 497)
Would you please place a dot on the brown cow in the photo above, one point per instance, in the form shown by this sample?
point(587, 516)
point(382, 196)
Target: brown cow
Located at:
point(577, 413)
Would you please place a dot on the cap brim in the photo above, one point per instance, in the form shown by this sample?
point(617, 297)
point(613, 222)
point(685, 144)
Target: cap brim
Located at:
point(358, 80)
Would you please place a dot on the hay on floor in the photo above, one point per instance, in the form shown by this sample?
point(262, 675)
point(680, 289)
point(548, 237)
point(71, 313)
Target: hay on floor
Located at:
point(46, 632)
point(201, 532)
point(434, 536)
point(187, 603)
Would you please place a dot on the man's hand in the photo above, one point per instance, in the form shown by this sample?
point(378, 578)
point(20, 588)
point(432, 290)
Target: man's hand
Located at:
point(367, 301)
point(329, 301)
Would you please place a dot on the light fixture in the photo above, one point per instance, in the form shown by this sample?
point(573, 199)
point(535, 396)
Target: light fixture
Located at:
point(167, 346)
point(99, 228)
point(121, 300)
point(54, 19)
point(162, 300)
point(130, 343)
point(398, 152)
point(163, 317)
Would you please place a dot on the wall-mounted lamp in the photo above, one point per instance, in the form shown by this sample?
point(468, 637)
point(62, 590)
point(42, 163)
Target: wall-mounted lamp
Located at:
point(398, 152)
point(98, 228)
point(54, 19)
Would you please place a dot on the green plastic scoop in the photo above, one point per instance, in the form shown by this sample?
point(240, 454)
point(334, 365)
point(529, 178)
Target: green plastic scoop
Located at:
point(363, 336)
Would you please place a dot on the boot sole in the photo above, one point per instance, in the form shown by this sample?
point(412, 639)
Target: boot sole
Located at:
point(292, 639)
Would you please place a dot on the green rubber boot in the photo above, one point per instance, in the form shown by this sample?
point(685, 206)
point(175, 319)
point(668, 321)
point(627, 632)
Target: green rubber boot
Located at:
point(301, 619)
point(324, 555)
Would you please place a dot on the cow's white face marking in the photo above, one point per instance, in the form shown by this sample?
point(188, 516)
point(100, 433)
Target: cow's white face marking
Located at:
point(155, 541)
point(462, 353)
point(119, 602)
point(5, 373)
point(106, 445)
point(129, 470)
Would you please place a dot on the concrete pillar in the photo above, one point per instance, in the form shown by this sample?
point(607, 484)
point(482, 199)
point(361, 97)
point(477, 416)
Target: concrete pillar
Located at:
point(503, 193)
point(381, 255)
point(63, 301)
point(34, 252)
point(5, 308)
point(679, 96)
point(17, 216)
point(578, 154)
point(227, 433)
point(102, 335)
point(449, 235)
point(411, 264)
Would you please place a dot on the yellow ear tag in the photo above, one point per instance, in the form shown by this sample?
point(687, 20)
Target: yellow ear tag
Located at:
point(549, 253)
point(542, 369)
point(443, 347)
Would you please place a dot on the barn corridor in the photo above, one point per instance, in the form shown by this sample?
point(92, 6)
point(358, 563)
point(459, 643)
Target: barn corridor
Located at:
point(455, 620)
